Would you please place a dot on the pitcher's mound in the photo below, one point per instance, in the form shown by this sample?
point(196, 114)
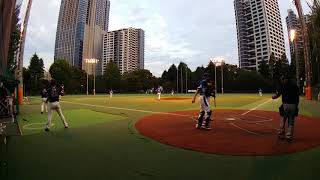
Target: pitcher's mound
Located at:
point(233, 132)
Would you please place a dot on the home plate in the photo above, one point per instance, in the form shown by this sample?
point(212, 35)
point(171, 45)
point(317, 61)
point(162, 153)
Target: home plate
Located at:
point(230, 119)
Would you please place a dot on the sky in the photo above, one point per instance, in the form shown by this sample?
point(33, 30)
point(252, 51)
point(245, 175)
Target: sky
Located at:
point(175, 30)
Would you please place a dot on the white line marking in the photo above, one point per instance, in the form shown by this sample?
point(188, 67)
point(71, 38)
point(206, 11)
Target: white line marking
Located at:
point(128, 109)
point(234, 125)
point(27, 126)
point(256, 107)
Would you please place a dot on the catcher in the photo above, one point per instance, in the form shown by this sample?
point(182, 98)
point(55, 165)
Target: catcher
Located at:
point(206, 89)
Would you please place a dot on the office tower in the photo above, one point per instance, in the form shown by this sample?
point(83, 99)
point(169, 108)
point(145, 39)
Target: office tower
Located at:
point(81, 25)
point(259, 31)
point(125, 47)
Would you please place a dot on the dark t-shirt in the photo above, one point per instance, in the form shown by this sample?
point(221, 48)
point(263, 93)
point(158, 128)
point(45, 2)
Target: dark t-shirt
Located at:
point(44, 93)
point(54, 93)
point(289, 93)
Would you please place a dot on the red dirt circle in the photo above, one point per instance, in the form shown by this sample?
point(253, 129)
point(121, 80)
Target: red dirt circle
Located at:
point(234, 132)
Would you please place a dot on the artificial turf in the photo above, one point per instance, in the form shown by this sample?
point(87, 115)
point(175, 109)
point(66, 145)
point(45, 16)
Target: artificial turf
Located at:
point(102, 143)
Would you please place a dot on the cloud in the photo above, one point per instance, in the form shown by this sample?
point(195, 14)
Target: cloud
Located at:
point(175, 30)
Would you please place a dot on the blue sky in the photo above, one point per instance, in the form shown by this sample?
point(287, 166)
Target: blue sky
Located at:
point(175, 30)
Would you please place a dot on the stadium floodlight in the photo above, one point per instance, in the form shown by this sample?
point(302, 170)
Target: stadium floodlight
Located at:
point(218, 61)
point(92, 62)
point(293, 39)
point(293, 34)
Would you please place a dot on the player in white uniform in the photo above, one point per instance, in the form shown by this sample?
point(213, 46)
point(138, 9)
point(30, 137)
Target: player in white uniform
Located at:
point(110, 94)
point(44, 96)
point(206, 90)
point(260, 92)
point(159, 93)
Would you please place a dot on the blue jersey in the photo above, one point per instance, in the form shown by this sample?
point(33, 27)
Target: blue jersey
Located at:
point(205, 89)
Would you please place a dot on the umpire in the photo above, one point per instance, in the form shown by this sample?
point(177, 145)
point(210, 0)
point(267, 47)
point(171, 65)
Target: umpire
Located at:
point(289, 108)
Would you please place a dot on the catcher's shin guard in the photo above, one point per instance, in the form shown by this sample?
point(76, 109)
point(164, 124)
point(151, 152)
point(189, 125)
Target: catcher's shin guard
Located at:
point(282, 129)
point(208, 119)
point(200, 119)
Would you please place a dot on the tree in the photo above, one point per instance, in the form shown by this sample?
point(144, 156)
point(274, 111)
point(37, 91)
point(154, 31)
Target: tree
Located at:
point(36, 70)
point(264, 69)
point(139, 80)
point(112, 76)
point(60, 70)
point(14, 42)
point(314, 31)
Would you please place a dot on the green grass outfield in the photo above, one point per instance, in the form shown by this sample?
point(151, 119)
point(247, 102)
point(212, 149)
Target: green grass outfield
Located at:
point(102, 143)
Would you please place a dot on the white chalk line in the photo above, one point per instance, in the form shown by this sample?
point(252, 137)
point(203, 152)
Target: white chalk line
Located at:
point(243, 129)
point(255, 108)
point(153, 112)
point(129, 109)
point(27, 126)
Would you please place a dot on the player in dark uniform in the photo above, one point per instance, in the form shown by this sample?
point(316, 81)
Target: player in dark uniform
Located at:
point(44, 96)
point(54, 94)
point(289, 108)
point(206, 90)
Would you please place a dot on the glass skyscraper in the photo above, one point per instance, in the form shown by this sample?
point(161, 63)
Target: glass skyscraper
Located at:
point(74, 17)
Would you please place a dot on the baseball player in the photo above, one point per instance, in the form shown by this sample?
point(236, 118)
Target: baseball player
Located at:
point(260, 92)
point(159, 93)
point(44, 96)
point(206, 90)
point(110, 94)
point(289, 108)
point(54, 94)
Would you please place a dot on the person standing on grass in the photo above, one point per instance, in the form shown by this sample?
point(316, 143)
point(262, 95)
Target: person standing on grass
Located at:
point(260, 92)
point(110, 94)
point(44, 96)
point(54, 94)
point(206, 90)
point(159, 93)
point(289, 108)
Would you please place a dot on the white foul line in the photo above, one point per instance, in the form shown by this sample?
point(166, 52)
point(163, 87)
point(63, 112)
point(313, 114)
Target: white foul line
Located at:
point(234, 125)
point(127, 109)
point(256, 107)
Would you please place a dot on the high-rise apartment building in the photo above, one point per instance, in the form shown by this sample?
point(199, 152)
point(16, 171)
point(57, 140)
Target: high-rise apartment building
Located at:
point(80, 29)
point(125, 47)
point(259, 31)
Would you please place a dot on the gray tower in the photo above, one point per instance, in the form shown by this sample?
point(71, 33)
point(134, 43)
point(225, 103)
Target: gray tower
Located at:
point(259, 31)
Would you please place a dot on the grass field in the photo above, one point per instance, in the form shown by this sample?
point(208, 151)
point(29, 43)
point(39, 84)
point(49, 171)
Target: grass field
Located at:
point(102, 143)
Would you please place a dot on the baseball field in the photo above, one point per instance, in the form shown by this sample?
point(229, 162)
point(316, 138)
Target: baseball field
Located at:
point(139, 137)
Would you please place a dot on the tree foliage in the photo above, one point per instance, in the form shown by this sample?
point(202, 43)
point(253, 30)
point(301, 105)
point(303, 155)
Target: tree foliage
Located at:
point(112, 76)
point(14, 42)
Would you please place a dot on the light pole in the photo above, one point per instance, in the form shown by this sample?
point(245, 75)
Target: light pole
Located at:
point(181, 81)
point(186, 80)
point(92, 62)
point(219, 62)
point(177, 79)
point(293, 39)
